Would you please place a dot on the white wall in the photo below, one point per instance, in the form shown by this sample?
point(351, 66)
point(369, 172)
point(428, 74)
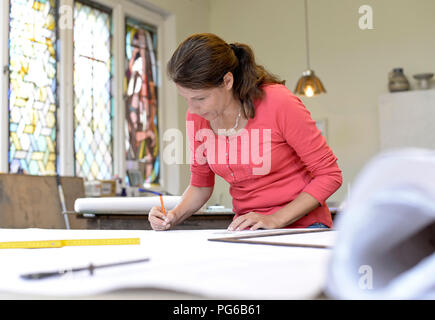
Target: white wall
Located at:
point(353, 64)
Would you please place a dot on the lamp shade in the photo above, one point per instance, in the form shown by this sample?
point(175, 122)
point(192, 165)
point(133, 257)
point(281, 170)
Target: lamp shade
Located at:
point(309, 85)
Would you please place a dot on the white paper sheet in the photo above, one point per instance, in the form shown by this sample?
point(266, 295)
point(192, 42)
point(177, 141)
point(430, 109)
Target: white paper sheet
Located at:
point(184, 261)
point(123, 204)
point(385, 248)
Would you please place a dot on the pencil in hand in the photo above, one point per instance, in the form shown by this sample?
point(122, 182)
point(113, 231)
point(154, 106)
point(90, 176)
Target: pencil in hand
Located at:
point(163, 206)
point(158, 194)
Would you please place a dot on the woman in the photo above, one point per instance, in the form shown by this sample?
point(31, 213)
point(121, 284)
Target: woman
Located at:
point(237, 109)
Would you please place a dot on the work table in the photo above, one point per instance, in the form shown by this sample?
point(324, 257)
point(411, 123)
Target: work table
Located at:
point(181, 261)
point(139, 220)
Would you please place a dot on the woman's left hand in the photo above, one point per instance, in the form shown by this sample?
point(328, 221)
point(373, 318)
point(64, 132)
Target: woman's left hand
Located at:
point(254, 221)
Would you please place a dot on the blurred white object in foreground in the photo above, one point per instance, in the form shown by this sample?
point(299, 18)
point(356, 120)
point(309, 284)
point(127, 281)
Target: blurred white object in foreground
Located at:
point(385, 247)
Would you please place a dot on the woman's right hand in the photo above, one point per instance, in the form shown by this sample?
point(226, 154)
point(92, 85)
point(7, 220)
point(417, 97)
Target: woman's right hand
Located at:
point(159, 221)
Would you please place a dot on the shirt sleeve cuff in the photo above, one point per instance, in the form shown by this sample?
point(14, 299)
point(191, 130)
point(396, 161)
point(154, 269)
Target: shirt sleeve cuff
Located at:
point(315, 195)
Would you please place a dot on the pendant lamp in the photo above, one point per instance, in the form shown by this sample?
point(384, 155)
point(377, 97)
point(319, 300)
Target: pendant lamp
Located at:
point(309, 84)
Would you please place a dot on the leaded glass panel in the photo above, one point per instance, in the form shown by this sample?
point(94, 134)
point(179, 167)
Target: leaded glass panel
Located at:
point(142, 127)
point(93, 103)
point(32, 87)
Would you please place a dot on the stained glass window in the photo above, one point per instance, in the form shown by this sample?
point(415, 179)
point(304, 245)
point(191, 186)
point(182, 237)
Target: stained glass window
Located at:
point(93, 103)
point(142, 133)
point(32, 87)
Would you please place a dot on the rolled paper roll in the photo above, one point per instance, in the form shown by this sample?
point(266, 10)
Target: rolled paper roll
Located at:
point(385, 247)
point(123, 204)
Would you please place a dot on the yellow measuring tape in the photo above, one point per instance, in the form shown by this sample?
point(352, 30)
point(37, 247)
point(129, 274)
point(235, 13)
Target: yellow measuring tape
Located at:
point(39, 244)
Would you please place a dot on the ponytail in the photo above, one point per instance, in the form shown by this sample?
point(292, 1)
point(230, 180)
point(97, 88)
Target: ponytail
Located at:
point(248, 78)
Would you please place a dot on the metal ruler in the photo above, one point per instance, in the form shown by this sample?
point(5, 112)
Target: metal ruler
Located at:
point(40, 244)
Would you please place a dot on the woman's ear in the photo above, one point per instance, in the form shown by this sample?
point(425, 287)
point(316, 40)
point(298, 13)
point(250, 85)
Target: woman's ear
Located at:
point(228, 80)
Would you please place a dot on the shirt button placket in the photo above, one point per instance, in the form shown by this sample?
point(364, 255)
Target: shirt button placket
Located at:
point(227, 157)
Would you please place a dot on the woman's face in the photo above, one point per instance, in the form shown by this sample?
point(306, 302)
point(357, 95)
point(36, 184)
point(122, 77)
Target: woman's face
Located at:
point(209, 103)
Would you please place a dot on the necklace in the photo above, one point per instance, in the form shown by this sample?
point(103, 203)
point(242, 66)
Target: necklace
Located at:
point(233, 129)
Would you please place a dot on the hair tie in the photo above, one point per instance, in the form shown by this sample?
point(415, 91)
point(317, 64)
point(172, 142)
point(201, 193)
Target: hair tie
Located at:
point(235, 49)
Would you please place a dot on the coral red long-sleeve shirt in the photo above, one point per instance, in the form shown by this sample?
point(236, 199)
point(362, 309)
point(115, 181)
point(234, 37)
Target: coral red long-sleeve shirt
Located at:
point(279, 154)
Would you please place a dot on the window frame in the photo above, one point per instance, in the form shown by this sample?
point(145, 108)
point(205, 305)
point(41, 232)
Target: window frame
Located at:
point(121, 9)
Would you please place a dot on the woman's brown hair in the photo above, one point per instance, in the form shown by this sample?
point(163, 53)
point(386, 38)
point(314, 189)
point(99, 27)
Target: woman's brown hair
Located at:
point(202, 60)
